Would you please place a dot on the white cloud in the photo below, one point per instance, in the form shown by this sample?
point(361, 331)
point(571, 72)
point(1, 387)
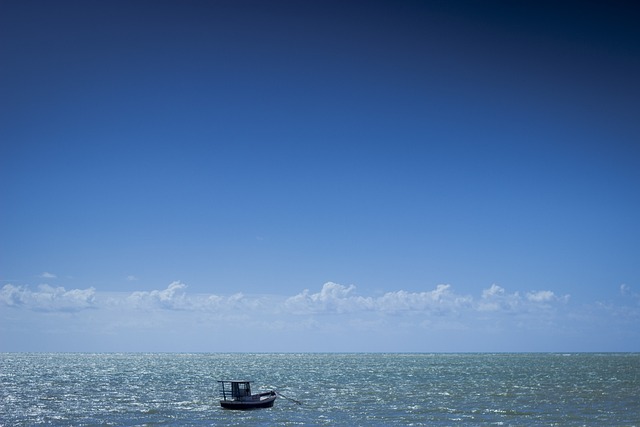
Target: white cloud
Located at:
point(492, 291)
point(335, 298)
point(541, 296)
point(12, 295)
point(48, 298)
point(47, 275)
point(173, 297)
point(131, 278)
point(496, 299)
point(217, 303)
point(332, 298)
point(438, 300)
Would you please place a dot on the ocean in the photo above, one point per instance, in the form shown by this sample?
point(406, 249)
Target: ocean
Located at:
point(65, 389)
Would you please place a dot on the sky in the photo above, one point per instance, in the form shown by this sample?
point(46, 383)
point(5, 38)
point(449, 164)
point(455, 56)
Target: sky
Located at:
point(319, 176)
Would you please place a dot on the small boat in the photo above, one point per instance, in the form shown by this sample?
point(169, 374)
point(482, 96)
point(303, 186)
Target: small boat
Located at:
point(237, 395)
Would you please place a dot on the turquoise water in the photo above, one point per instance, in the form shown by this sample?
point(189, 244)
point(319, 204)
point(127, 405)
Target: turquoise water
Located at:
point(335, 389)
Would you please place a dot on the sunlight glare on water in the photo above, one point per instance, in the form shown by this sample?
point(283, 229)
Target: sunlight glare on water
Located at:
point(335, 389)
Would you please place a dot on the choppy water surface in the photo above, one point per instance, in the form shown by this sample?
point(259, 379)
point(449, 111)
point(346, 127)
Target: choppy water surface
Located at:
point(335, 389)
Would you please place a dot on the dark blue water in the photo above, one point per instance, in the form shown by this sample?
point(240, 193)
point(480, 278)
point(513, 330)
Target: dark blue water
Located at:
point(335, 389)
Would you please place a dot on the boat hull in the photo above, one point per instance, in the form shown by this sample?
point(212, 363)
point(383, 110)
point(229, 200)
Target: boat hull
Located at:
point(264, 400)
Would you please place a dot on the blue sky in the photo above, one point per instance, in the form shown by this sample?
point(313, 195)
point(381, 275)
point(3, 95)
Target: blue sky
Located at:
point(319, 176)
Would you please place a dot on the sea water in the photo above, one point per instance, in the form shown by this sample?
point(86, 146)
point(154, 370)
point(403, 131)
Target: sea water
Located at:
point(334, 389)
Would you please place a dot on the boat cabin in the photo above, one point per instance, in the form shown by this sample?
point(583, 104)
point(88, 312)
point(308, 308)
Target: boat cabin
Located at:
point(235, 390)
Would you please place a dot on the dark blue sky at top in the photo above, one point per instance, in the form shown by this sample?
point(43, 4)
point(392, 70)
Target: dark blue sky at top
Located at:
point(253, 145)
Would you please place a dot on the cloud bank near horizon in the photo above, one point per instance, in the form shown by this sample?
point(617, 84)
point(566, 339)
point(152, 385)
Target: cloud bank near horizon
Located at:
point(332, 298)
point(336, 311)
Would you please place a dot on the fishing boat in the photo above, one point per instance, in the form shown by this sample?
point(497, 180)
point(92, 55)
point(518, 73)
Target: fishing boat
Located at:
point(237, 395)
